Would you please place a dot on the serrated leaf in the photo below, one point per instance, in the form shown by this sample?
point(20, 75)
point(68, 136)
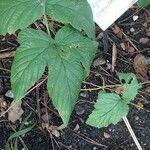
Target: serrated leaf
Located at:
point(130, 86)
point(109, 109)
point(68, 58)
point(18, 14)
point(73, 52)
point(75, 12)
point(29, 63)
point(143, 2)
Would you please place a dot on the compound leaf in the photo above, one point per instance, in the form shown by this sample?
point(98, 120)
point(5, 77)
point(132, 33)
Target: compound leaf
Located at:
point(143, 2)
point(68, 57)
point(130, 86)
point(75, 12)
point(109, 108)
point(18, 14)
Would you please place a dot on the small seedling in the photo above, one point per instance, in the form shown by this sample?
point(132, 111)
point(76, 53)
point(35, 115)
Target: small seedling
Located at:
point(110, 108)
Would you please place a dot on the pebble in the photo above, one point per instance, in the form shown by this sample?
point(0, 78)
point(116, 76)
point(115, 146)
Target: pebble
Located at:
point(9, 94)
point(135, 18)
point(83, 94)
point(94, 148)
point(137, 118)
point(76, 127)
point(79, 110)
point(106, 135)
point(132, 30)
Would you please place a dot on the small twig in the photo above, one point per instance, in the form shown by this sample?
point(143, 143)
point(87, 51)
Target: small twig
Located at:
point(87, 139)
point(102, 87)
point(131, 42)
point(132, 133)
point(45, 103)
point(7, 54)
point(39, 84)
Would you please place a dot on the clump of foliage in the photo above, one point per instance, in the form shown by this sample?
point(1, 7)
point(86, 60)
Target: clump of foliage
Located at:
point(68, 55)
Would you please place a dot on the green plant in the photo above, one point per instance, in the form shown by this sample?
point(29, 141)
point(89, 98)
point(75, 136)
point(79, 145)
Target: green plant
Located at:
point(12, 142)
point(143, 2)
point(68, 55)
point(111, 107)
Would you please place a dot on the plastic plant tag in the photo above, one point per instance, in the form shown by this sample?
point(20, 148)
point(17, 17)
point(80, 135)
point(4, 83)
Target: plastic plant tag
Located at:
point(106, 12)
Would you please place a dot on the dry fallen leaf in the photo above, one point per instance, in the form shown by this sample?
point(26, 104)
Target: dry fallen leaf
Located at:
point(131, 49)
point(139, 106)
point(144, 40)
point(119, 90)
point(117, 31)
point(99, 61)
point(54, 130)
point(141, 67)
point(123, 46)
point(15, 112)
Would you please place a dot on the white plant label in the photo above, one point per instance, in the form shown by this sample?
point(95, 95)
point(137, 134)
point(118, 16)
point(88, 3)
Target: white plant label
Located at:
point(106, 12)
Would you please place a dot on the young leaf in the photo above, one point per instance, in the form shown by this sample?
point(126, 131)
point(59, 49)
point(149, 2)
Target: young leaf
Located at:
point(18, 14)
point(75, 12)
point(68, 58)
point(109, 108)
point(130, 86)
point(143, 2)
